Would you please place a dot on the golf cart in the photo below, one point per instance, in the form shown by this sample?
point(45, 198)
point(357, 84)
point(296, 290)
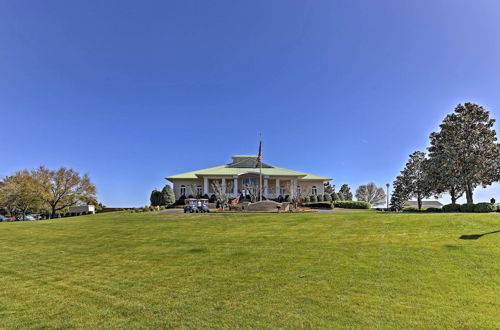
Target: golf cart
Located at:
point(194, 205)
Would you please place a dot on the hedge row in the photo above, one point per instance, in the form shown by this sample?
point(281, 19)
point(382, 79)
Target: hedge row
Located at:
point(353, 204)
point(469, 207)
point(424, 209)
point(321, 205)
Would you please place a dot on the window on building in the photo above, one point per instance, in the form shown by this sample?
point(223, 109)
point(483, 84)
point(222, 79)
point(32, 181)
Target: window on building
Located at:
point(314, 190)
point(282, 190)
point(298, 190)
point(183, 190)
point(250, 182)
point(199, 190)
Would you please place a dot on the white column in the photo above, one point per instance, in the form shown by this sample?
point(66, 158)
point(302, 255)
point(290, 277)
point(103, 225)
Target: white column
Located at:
point(294, 186)
point(223, 185)
point(235, 186)
point(277, 188)
point(265, 187)
point(205, 185)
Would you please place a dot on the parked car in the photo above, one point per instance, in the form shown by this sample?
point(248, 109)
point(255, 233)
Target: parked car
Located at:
point(3, 218)
point(29, 218)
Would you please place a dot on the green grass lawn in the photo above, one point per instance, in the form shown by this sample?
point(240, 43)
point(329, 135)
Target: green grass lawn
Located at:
point(344, 270)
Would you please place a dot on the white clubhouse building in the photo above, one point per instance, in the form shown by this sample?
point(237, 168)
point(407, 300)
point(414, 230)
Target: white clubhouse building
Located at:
point(241, 173)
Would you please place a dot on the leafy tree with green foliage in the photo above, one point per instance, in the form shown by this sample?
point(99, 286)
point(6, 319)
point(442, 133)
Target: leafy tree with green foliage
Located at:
point(329, 188)
point(399, 194)
point(63, 187)
point(18, 193)
point(340, 196)
point(464, 153)
point(371, 193)
point(168, 195)
point(413, 181)
point(335, 197)
point(156, 198)
point(346, 192)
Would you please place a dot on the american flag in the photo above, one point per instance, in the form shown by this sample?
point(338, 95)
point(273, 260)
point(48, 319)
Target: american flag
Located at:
point(258, 163)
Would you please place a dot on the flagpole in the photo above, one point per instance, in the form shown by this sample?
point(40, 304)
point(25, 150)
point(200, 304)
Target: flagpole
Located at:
point(260, 177)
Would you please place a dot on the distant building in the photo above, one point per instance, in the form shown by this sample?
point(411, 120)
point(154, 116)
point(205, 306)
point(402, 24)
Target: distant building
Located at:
point(424, 204)
point(82, 209)
point(243, 172)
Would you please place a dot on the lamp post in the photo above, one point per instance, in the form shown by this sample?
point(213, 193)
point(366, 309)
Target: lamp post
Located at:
point(387, 185)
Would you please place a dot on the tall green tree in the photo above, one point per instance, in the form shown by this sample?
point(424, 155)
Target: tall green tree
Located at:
point(400, 194)
point(464, 154)
point(329, 188)
point(156, 198)
point(346, 192)
point(168, 195)
point(413, 181)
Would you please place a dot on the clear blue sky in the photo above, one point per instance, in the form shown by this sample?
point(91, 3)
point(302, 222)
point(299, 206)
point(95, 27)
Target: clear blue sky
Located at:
point(133, 91)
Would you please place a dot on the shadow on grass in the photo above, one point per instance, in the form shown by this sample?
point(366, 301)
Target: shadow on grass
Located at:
point(476, 236)
point(197, 250)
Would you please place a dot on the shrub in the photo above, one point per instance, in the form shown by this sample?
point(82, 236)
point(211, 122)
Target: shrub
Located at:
point(335, 197)
point(484, 208)
point(413, 209)
point(353, 204)
point(320, 198)
point(467, 207)
point(280, 199)
point(451, 208)
point(181, 200)
point(212, 199)
point(288, 198)
point(433, 209)
point(327, 198)
point(321, 205)
point(307, 199)
point(313, 199)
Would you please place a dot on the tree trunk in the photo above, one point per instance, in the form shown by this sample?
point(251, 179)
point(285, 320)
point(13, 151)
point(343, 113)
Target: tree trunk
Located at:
point(468, 194)
point(53, 213)
point(419, 201)
point(453, 195)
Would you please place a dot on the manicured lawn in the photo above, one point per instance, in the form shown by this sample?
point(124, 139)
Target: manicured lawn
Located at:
point(345, 270)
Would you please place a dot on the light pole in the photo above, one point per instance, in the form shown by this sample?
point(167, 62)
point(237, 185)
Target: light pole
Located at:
point(387, 185)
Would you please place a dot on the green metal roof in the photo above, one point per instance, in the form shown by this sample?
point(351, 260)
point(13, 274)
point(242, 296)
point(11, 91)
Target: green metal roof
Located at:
point(235, 168)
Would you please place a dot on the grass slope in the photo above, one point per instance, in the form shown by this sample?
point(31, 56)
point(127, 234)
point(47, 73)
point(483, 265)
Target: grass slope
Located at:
point(346, 270)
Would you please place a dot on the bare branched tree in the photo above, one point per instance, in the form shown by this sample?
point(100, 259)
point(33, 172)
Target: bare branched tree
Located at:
point(251, 190)
point(371, 193)
point(220, 193)
point(192, 190)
